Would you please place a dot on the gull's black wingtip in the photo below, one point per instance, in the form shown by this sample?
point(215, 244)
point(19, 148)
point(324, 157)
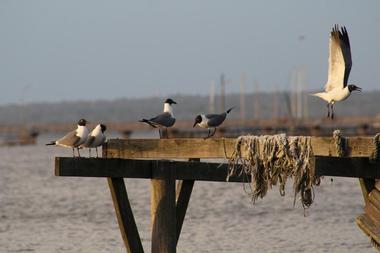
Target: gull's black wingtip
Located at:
point(229, 110)
point(148, 122)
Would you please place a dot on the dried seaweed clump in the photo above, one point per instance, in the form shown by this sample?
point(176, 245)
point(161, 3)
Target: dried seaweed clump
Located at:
point(271, 159)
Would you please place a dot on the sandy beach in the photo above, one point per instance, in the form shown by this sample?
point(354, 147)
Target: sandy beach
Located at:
point(43, 213)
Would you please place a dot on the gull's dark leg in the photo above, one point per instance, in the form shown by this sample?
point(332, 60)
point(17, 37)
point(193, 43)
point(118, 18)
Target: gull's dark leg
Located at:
point(213, 132)
point(208, 134)
point(328, 110)
point(89, 152)
point(73, 152)
point(78, 152)
point(96, 148)
point(159, 132)
point(332, 111)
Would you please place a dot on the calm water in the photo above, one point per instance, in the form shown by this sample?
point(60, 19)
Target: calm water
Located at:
point(43, 213)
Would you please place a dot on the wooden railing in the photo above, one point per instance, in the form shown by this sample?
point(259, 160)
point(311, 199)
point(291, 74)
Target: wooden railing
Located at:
point(147, 159)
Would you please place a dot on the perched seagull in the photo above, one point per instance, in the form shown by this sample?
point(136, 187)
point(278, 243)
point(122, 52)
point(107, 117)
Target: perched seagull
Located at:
point(211, 121)
point(336, 88)
point(74, 138)
point(165, 119)
point(95, 139)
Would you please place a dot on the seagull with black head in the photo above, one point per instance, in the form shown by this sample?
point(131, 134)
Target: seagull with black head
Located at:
point(74, 138)
point(211, 121)
point(165, 119)
point(340, 62)
point(95, 139)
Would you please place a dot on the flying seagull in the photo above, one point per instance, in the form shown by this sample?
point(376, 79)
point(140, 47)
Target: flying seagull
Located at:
point(74, 138)
point(211, 121)
point(95, 139)
point(336, 88)
point(165, 119)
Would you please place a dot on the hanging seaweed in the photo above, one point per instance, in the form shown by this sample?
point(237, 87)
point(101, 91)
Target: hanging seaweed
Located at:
point(270, 160)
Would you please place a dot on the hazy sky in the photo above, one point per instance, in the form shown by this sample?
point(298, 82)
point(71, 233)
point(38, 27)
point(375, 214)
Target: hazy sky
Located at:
point(69, 50)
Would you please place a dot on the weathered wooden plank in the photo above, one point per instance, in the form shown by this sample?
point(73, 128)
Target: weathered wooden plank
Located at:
point(169, 148)
point(218, 147)
point(367, 186)
point(163, 211)
point(373, 212)
point(184, 189)
point(374, 198)
point(359, 167)
point(125, 218)
point(368, 227)
point(100, 167)
point(130, 168)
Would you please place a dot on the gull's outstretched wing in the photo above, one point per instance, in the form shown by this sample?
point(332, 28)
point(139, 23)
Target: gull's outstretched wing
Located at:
point(339, 59)
point(346, 50)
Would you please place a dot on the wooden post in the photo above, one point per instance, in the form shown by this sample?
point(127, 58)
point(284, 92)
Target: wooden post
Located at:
point(163, 211)
point(124, 215)
point(367, 185)
point(184, 189)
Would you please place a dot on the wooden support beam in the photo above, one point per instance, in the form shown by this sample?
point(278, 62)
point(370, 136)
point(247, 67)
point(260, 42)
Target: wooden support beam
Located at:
point(125, 218)
point(367, 185)
point(87, 167)
point(359, 167)
point(374, 197)
point(368, 227)
point(373, 212)
point(100, 167)
point(163, 211)
point(184, 189)
point(218, 147)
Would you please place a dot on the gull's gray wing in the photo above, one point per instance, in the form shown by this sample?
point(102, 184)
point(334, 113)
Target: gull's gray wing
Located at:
point(70, 140)
point(215, 120)
point(90, 140)
point(163, 119)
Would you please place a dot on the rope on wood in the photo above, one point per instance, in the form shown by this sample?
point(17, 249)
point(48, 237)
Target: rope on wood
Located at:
point(272, 159)
point(340, 143)
point(376, 147)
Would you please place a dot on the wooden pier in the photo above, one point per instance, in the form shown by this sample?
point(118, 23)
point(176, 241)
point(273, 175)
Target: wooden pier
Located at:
point(149, 159)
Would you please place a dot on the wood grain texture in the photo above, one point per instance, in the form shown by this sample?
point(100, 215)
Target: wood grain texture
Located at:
point(124, 214)
point(184, 148)
point(163, 212)
point(183, 192)
point(373, 212)
point(366, 185)
point(369, 227)
point(184, 189)
point(374, 198)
